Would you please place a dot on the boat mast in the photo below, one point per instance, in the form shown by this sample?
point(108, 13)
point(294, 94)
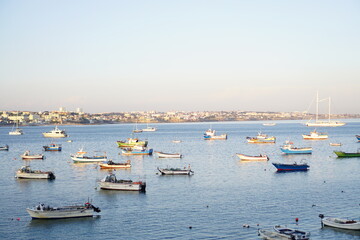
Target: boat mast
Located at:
point(317, 106)
point(329, 108)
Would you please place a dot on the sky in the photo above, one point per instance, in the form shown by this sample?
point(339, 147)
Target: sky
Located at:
point(198, 55)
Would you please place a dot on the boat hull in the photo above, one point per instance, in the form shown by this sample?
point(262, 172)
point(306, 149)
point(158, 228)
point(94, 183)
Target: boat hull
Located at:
point(175, 172)
point(341, 154)
point(320, 137)
point(46, 148)
point(146, 152)
point(220, 137)
point(244, 157)
point(59, 214)
point(114, 166)
point(296, 150)
point(168, 155)
point(325, 124)
point(291, 167)
point(52, 135)
point(122, 144)
point(131, 186)
point(357, 137)
point(33, 157)
point(88, 160)
point(24, 175)
point(266, 234)
point(341, 223)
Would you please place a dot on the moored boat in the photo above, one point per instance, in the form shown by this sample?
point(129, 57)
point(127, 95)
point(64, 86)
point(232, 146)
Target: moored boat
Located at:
point(269, 235)
point(137, 150)
point(288, 148)
point(26, 155)
point(149, 129)
point(55, 133)
point(291, 166)
point(16, 130)
point(261, 138)
point(342, 154)
point(74, 211)
point(211, 135)
point(131, 142)
point(357, 137)
point(26, 172)
point(244, 157)
point(110, 182)
point(314, 135)
point(340, 223)
point(80, 157)
point(269, 124)
point(4, 148)
point(295, 234)
point(53, 147)
point(111, 165)
point(168, 155)
point(176, 171)
point(335, 144)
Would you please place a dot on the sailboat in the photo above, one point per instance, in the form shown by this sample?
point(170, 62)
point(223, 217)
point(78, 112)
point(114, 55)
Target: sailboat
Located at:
point(319, 123)
point(136, 130)
point(16, 130)
point(149, 129)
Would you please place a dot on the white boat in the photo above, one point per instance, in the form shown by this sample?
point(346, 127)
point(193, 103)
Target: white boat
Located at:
point(335, 144)
point(114, 165)
point(16, 130)
point(26, 155)
point(4, 148)
point(244, 157)
point(149, 129)
point(295, 234)
point(340, 223)
point(80, 157)
point(176, 141)
point(319, 123)
point(175, 171)
point(269, 124)
point(75, 211)
point(55, 133)
point(270, 235)
point(210, 134)
point(26, 172)
point(168, 155)
point(110, 182)
point(314, 135)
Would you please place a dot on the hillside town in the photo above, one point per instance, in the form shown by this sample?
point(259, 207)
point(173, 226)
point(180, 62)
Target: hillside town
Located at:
point(62, 116)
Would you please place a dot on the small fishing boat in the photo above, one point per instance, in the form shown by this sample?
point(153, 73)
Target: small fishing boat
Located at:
point(137, 150)
point(176, 171)
point(4, 148)
point(342, 154)
point(74, 211)
point(131, 142)
point(261, 138)
point(136, 130)
point(53, 147)
point(291, 166)
point(357, 137)
point(26, 155)
point(269, 124)
point(80, 157)
point(335, 144)
point(110, 182)
point(269, 235)
point(168, 155)
point(340, 223)
point(314, 135)
point(55, 133)
point(26, 172)
point(149, 129)
point(176, 141)
point(244, 157)
point(211, 135)
point(111, 165)
point(293, 233)
point(16, 130)
point(288, 148)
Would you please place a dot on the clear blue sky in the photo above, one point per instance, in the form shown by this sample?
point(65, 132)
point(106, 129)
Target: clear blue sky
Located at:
point(165, 55)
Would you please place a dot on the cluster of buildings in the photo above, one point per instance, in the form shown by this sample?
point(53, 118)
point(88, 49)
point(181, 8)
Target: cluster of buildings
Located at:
point(62, 116)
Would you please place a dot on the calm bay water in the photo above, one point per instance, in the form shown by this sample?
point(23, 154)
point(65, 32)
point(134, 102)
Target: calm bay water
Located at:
point(222, 195)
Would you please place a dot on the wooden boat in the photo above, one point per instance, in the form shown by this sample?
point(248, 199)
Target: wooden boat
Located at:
point(211, 135)
point(314, 135)
point(26, 155)
point(131, 142)
point(80, 157)
point(175, 171)
point(335, 144)
point(341, 154)
point(293, 233)
point(111, 165)
point(270, 235)
point(4, 148)
point(75, 211)
point(244, 157)
point(137, 150)
point(55, 133)
point(168, 155)
point(53, 147)
point(340, 223)
point(110, 182)
point(288, 148)
point(26, 172)
point(357, 137)
point(291, 166)
point(261, 138)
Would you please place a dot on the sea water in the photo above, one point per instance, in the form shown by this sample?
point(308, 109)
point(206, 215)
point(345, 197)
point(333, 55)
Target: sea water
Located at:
point(222, 196)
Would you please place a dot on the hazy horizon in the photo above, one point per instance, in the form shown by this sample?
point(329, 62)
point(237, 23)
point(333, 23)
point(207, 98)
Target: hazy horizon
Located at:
point(122, 56)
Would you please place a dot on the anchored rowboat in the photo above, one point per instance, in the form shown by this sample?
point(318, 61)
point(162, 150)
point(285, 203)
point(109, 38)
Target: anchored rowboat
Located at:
point(261, 157)
point(168, 155)
point(341, 154)
point(340, 223)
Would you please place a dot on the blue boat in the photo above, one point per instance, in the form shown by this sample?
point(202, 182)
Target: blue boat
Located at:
point(358, 137)
point(288, 148)
point(291, 166)
point(53, 147)
point(137, 150)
